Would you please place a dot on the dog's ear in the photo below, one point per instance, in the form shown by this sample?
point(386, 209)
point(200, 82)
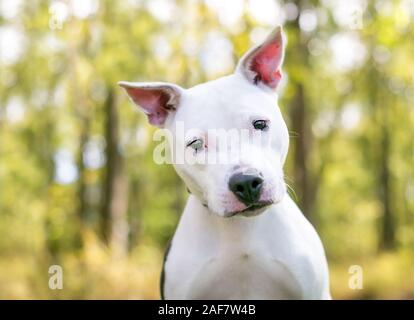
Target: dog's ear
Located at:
point(262, 63)
point(156, 99)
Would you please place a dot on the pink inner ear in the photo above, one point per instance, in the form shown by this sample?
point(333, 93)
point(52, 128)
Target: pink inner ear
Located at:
point(153, 102)
point(266, 64)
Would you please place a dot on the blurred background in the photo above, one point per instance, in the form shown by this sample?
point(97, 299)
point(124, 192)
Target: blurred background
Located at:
point(79, 188)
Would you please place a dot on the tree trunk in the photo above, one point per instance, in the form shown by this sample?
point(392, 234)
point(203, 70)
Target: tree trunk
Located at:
point(114, 218)
point(83, 139)
point(300, 147)
point(81, 109)
point(388, 227)
point(387, 241)
point(82, 207)
point(381, 102)
point(300, 125)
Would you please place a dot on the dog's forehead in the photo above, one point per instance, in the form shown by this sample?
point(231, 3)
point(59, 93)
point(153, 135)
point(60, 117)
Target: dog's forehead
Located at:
point(225, 103)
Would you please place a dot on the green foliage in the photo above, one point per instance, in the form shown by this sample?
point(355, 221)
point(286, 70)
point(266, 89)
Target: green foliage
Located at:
point(359, 141)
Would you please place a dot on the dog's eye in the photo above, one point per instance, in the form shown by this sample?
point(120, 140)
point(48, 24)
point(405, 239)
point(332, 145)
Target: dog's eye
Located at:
point(196, 144)
point(260, 125)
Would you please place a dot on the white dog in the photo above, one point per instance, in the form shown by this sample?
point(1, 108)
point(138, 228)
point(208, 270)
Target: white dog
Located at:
point(241, 236)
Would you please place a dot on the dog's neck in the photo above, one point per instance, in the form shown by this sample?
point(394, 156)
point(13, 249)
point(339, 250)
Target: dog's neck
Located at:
point(233, 229)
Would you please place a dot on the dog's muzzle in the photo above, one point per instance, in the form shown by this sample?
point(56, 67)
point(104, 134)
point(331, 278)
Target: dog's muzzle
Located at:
point(247, 188)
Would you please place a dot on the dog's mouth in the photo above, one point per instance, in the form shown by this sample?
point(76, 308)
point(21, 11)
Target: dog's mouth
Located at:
point(251, 210)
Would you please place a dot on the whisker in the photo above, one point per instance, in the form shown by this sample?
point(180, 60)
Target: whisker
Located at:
point(293, 193)
point(286, 177)
point(293, 134)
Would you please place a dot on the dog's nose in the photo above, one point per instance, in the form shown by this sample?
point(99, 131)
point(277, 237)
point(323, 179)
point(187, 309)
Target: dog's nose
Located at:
point(247, 188)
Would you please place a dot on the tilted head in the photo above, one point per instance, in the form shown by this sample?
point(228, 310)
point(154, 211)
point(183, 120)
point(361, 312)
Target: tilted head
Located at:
point(234, 140)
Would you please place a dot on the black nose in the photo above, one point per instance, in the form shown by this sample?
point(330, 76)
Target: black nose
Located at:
point(246, 187)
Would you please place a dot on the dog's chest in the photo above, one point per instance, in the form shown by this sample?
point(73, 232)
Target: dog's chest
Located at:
point(274, 256)
point(237, 271)
point(242, 275)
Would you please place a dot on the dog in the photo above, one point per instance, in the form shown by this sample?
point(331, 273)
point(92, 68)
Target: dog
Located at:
point(240, 236)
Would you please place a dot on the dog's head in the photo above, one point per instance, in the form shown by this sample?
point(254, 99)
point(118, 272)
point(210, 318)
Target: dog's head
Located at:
point(235, 140)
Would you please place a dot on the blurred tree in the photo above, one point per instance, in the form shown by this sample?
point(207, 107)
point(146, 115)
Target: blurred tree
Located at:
point(78, 183)
point(299, 118)
point(114, 222)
